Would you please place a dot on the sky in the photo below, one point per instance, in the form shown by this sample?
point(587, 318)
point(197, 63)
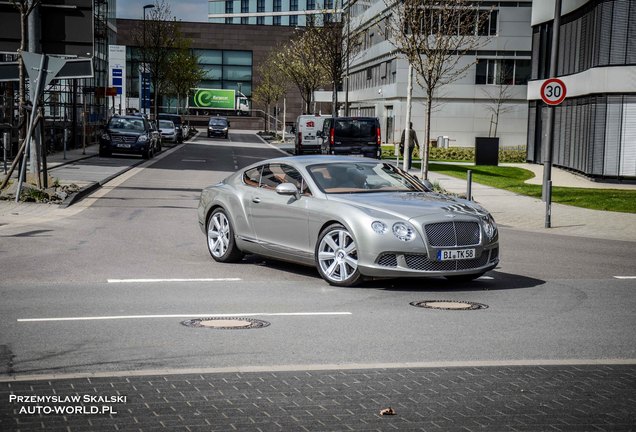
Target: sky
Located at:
point(184, 10)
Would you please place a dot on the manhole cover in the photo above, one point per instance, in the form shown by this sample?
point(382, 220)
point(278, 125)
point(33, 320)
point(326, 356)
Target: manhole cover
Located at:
point(225, 323)
point(449, 305)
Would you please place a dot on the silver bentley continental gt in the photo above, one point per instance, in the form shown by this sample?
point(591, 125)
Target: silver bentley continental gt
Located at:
point(352, 218)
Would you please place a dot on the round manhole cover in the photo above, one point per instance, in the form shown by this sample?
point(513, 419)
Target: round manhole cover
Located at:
point(449, 305)
point(225, 323)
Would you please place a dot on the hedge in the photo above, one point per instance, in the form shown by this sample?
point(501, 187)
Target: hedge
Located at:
point(506, 155)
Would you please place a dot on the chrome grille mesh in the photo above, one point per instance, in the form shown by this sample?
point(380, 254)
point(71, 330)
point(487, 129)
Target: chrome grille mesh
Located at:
point(388, 260)
point(453, 233)
point(124, 139)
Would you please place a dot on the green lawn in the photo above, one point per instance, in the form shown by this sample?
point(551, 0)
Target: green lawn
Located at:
point(512, 179)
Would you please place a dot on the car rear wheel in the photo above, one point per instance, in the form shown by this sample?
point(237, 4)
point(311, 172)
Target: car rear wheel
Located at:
point(220, 235)
point(337, 256)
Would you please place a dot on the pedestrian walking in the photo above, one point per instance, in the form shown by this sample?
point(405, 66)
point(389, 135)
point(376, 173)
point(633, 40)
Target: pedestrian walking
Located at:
point(412, 143)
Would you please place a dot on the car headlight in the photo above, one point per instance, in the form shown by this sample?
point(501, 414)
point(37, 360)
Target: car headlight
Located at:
point(490, 226)
point(379, 227)
point(403, 231)
point(142, 138)
point(106, 136)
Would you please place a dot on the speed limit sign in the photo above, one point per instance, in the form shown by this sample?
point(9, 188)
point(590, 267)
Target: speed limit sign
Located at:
point(553, 91)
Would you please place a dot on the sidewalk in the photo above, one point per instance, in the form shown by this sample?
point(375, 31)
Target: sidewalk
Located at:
point(526, 213)
point(84, 168)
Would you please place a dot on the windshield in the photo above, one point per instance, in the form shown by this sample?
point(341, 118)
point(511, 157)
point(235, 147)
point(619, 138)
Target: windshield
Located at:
point(136, 124)
point(165, 124)
point(218, 122)
point(354, 177)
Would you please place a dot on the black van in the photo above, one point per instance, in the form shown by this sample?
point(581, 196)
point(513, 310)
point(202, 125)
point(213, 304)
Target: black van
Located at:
point(358, 136)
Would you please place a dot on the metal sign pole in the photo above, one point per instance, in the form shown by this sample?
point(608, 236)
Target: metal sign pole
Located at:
point(547, 166)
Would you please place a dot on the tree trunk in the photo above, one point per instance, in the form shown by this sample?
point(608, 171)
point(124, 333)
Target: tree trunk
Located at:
point(427, 135)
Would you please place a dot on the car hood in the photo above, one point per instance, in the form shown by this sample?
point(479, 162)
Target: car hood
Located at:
point(411, 205)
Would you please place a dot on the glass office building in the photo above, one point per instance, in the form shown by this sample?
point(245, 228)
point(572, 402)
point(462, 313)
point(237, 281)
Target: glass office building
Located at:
point(595, 127)
point(294, 13)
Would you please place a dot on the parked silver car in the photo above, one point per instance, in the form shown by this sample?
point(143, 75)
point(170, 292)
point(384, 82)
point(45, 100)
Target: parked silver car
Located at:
point(353, 218)
point(168, 130)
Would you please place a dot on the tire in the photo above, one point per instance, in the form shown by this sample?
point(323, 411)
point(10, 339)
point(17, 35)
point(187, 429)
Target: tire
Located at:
point(337, 256)
point(463, 278)
point(147, 154)
point(220, 238)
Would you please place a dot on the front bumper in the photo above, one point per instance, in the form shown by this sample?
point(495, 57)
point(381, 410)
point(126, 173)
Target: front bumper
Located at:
point(401, 264)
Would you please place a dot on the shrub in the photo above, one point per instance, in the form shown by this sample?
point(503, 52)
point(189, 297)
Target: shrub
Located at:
point(464, 154)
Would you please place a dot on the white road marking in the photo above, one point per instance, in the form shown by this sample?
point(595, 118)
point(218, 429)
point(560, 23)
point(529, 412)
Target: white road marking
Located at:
point(625, 277)
point(234, 315)
point(486, 277)
point(173, 280)
point(193, 160)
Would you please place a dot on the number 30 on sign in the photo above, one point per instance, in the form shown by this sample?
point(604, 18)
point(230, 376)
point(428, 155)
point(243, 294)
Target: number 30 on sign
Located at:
point(553, 91)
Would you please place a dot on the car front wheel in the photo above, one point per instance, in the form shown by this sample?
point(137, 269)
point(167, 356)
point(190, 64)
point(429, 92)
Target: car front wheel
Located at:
point(220, 235)
point(337, 256)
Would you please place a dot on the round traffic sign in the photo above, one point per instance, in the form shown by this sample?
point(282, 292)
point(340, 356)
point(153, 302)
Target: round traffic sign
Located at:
point(553, 91)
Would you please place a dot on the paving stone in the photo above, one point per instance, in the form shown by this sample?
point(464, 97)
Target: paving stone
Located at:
point(558, 398)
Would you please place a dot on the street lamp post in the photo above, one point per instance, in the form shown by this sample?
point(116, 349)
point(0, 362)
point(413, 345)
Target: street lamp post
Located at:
point(143, 58)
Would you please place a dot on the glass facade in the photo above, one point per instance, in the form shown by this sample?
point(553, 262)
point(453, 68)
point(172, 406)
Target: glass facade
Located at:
point(595, 133)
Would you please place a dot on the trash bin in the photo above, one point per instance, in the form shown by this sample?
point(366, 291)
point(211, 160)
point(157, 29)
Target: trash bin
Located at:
point(486, 151)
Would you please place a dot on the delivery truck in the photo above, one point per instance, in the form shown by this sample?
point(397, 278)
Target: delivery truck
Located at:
point(205, 101)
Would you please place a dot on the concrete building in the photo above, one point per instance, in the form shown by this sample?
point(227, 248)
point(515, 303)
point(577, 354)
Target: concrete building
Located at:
point(378, 79)
point(292, 13)
point(595, 127)
point(230, 59)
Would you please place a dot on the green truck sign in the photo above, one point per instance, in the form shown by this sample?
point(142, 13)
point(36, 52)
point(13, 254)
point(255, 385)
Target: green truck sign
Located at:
point(213, 99)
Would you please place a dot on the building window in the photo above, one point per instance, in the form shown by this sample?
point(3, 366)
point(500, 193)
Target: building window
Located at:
point(502, 71)
point(293, 20)
point(311, 4)
point(260, 6)
point(260, 20)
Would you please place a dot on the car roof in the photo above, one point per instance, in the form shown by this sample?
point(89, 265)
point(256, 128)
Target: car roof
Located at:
point(307, 160)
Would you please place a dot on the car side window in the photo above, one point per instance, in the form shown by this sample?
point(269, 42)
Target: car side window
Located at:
point(294, 177)
point(252, 177)
point(272, 176)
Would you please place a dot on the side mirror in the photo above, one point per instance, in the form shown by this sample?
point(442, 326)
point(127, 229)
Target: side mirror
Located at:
point(288, 189)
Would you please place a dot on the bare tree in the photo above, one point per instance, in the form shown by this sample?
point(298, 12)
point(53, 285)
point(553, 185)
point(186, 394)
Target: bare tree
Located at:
point(434, 36)
point(25, 7)
point(271, 87)
point(298, 62)
point(498, 95)
point(157, 38)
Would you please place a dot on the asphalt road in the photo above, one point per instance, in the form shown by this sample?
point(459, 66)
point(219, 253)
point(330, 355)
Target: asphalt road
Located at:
point(106, 289)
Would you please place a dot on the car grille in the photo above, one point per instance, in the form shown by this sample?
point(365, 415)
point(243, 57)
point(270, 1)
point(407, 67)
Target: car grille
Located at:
point(388, 260)
point(453, 234)
point(421, 262)
point(127, 139)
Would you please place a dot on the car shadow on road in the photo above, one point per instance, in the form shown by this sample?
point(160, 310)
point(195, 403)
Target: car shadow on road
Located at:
point(491, 281)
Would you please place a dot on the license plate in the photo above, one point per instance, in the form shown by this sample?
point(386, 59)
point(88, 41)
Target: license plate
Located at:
point(455, 254)
point(123, 145)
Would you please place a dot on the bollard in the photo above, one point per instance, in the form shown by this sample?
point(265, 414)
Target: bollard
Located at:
point(65, 140)
point(469, 185)
point(548, 205)
point(6, 142)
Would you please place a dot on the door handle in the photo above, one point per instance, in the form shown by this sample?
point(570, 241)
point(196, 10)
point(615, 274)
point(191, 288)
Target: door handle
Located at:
point(256, 199)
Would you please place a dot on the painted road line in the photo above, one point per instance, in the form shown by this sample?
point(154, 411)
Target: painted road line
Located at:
point(625, 277)
point(173, 280)
point(232, 315)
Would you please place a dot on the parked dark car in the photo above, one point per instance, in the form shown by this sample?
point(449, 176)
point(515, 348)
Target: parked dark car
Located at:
point(358, 136)
point(178, 124)
point(129, 134)
point(218, 126)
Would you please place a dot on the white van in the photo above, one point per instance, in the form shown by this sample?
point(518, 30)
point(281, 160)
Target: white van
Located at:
point(307, 128)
